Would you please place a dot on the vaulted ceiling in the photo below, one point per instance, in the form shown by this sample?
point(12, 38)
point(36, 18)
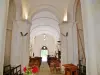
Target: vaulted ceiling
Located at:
point(28, 8)
point(44, 15)
point(58, 7)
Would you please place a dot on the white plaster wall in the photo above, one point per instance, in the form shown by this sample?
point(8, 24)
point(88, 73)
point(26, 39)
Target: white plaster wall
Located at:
point(96, 12)
point(11, 17)
point(56, 7)
point(4, 4)
point(90, 16)
point(39, 43)
point(20, 44)
point(45, 22)
point(71, 43)
point(7, 47)
point(69, 51)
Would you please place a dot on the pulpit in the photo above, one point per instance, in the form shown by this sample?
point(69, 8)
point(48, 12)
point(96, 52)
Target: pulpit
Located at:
point(70, 69)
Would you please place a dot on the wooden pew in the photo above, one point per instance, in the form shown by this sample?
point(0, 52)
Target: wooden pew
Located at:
point(70, 69)
point(16, 70)
point(54, 64)
point(35, 61)
point(50, 59)
point(8, 70)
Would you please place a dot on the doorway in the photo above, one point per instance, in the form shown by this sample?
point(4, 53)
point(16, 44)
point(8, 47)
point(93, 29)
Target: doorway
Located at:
point(44, 53)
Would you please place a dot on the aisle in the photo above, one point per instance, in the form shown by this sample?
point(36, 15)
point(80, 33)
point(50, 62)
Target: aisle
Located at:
point(44, 70)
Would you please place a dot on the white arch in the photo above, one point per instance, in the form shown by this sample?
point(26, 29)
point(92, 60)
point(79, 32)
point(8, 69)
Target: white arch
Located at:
point(45, 29)
point(45, 7)
point(45, 22)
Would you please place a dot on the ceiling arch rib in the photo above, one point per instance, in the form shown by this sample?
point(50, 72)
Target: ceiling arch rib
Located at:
point(45, 18)
point(45, 22)
point(45, 7)
point(46, 30)
point(44, 27)
point(45, 14)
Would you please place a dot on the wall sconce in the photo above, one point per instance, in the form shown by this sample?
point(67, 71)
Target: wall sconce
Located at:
point(25, 9)
point(26, 16)
point(25, 13)
point(65, 17)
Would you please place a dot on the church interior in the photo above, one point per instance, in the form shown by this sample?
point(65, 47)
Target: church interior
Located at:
point(49, 37)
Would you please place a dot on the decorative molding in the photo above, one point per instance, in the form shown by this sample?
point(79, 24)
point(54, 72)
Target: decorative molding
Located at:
point(46, 18)
point(46, 26)
point(45, 7)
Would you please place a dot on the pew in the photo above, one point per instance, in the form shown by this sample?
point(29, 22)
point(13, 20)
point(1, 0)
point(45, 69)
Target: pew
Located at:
point(36, 61)
point(16, 70)
point(54, 64)
point(8, 70)
point(70, 69)
point(50, 59)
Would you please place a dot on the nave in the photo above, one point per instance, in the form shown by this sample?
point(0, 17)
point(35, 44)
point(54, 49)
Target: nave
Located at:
point(69, 26)
point(45, 70)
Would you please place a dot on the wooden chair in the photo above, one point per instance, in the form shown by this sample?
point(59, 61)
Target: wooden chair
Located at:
point(52, 66)
point(58, 66)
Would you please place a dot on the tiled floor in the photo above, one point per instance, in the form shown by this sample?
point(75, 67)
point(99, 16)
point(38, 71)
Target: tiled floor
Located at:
point(44, 70)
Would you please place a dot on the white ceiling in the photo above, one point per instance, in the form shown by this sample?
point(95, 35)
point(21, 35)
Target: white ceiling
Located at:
point(45, 15)
point(45, 22)
point(58, 7)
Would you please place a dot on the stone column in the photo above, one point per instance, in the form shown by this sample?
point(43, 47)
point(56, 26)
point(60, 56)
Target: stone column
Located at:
point(64, 50)
point(91, 24)
point(11, 17)
point(68, 44)
point(20, 43)
point(64, 44)
point(4, 4)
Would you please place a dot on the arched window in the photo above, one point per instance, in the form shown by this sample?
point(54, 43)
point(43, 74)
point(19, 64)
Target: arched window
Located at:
point(44, 53)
